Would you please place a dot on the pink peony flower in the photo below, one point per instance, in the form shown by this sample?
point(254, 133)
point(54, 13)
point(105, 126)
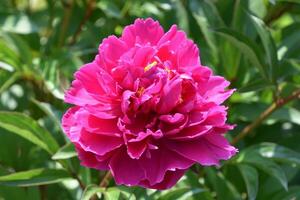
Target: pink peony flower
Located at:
point(146, 109)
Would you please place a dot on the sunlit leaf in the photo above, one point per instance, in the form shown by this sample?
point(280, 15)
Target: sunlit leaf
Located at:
point(65, 152)
point(90, 191)
point(34, 177)
point(29, 129)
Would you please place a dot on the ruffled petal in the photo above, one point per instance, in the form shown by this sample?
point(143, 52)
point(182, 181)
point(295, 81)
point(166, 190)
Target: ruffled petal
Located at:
point(142, 32)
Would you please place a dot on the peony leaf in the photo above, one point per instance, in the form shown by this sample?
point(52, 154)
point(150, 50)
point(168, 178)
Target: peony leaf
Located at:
point(293, 193)
point(29, 129)
point(65, 152)
point(269, 45)
point(250, 177)
point(223, 187)
point(266, 165)
point(246, 46)
point(277, 152)
point(34, 177)
point(91, 190)
point(113, 193)
point(18, 23)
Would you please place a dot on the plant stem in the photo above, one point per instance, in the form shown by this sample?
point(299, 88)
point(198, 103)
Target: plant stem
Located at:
point(87, 14)
point(276, 105)
point(68, 5)
point(104, 182)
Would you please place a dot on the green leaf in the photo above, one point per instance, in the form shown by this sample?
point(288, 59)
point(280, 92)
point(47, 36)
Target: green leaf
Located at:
point(34, 177)
point(223, 187)
point(180, 193)
point(291, 1)
point(250, 177)
point(91, 190)
point(29, 129)
point(292, 194)
point(118, 193)
point(255, 85)
point(266, 165)
point(269, 45)
point(182, 15)
point(197, 8)
point(17, 23)
point(65, 152)
point(277, 152)
point(11, 80)
point(246, 46)
point(249, 112)
point(110, 9)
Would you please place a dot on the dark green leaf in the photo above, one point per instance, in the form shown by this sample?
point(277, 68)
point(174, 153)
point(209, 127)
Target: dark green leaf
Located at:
point(266, 165)
point(268, 44)
point(246, 46)
point(250, 177)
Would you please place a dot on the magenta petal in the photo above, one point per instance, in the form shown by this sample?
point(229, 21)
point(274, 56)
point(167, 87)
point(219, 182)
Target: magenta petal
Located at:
point(206, 150)
point(99, 144)
point(161, 161)
point(170, 179)
point(90, 160)
point(125, 170)
point(142, 32)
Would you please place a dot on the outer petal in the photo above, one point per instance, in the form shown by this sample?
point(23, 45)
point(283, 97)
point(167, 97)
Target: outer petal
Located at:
point(125, 170)
point(160, 161)
point(208, 150)
point(111, 49)
point(89, 159)
point(214, 89)
point(170, 179)
point(142, 32)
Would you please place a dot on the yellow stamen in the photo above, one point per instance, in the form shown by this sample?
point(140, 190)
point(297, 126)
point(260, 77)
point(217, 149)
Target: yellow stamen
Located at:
point(140, 91)
point(148, 67)
point(168, 70)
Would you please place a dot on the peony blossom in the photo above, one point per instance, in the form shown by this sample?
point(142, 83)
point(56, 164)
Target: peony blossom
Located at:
point(146, 109)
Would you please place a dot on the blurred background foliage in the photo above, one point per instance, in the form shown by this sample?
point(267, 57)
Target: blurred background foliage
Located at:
point(253, 43)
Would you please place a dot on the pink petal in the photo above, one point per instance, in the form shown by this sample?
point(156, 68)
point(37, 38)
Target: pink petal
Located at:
point(143, 31)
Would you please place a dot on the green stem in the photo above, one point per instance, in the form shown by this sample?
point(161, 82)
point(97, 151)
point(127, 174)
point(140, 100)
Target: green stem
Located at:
point(66, 20)
point(264, 115)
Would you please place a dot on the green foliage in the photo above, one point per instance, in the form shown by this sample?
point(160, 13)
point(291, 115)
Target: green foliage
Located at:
point(255, 44)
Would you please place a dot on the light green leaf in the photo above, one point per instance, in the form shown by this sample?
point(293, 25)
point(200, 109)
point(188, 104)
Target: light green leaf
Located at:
point(34, 177)
point(115, 193)
point(91, 190)
point(180, 193)
point(29, 129)
point(250, 177)
point(65, 152)
point(18, 23)
point(246, 46)
point(11, 80)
